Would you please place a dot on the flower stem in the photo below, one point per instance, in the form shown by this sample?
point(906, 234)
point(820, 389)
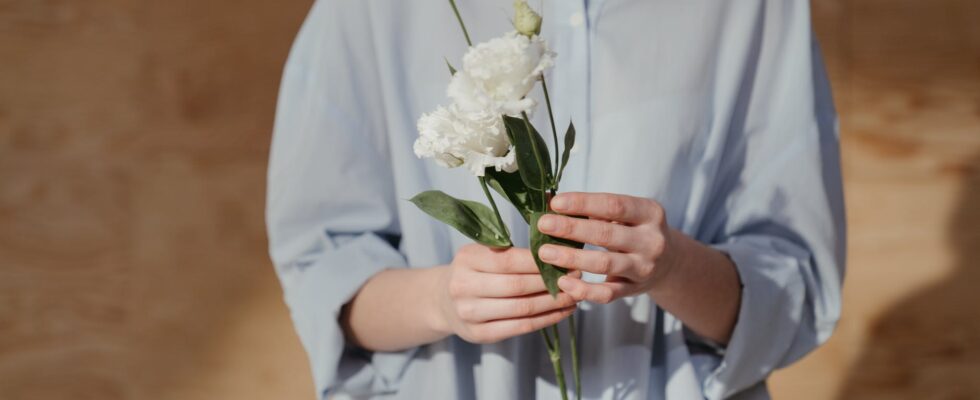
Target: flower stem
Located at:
point(554, 354)
point(486, 191)
point(547, 339)
point(554, 131)
point(461, 24)
point(575, 373)
point(559, 371)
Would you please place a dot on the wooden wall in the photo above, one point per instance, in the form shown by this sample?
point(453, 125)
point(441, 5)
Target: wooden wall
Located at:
point(906, 76)
point(133, 142)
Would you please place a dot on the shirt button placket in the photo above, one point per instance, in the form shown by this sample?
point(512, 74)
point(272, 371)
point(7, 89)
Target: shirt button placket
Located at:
point(575, 93)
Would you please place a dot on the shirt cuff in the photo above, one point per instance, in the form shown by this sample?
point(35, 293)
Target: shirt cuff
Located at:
point(770, 314)
point(315, 292)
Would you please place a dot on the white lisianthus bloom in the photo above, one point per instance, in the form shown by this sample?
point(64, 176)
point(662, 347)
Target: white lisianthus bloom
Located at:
point(475, 140)
point(498, 74)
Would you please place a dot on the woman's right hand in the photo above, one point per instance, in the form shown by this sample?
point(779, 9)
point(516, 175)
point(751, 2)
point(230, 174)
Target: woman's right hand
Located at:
point(489, 295)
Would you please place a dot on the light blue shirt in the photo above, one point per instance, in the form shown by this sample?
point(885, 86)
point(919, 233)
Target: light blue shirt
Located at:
point(719, 110)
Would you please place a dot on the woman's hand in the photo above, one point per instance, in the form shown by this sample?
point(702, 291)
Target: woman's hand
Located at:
point(490, 295)
point(697, 284)
point(634, 231)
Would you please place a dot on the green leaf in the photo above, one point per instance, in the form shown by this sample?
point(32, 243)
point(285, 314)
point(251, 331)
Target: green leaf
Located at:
point(452, 71)
point(473, 219)
point(533, 159)
point(569, 143)
point(511, 186)
point(549, 273)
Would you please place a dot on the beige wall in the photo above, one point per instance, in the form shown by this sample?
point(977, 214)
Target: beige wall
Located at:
point(133, 141)
point(907, 80)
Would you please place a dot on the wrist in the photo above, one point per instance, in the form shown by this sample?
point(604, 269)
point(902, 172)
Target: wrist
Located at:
point(435, 315)
point(670, 265)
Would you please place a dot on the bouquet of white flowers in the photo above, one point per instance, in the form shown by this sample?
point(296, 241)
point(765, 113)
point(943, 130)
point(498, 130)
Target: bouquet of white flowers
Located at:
point(487, 131)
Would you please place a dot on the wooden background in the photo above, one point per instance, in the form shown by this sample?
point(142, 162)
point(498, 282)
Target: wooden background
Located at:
point(133, 143)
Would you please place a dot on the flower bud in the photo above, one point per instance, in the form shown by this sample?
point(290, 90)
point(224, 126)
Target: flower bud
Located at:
point(527, 22)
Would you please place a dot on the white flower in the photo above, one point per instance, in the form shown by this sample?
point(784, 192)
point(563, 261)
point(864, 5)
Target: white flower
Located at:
point(475, 140)
point(498, 74)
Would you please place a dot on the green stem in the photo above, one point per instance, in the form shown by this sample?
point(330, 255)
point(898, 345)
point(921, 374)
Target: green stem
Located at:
point(537, 157)
point(554, 330)
point(461, 24)
point(554, 131)
point(554, 354)
point(547, 340)
point(575, 372)
point(486, 191)
point(560, 372)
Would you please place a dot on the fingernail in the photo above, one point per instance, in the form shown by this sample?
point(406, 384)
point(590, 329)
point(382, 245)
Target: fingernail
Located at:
point(563, 282)
point(547, 253)
point(558, 202)
point(546, 223)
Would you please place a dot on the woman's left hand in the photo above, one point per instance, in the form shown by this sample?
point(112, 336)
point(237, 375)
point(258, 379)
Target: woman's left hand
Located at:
point(633, 229)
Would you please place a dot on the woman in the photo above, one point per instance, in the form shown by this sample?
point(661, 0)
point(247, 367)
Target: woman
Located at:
point(707, 163)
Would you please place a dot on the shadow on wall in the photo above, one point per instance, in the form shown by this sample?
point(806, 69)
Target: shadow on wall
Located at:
point(928, 345)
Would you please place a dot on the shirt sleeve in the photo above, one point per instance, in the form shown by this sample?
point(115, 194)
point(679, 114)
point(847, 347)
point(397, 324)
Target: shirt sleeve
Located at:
point(778, 210)
point(331, 215)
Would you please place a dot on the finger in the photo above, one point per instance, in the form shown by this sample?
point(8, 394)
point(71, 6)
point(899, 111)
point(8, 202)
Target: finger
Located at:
point(483, 310)
point(599, 233)
point(606, 206)
point(602, 293)
point(513, 260)
point(594, 261)
point(503, 285)
point(495, 331)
